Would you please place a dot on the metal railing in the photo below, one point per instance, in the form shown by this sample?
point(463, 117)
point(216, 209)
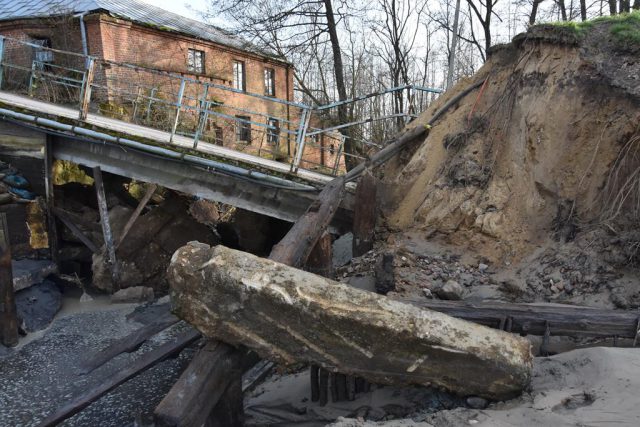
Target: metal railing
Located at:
point(197, 107)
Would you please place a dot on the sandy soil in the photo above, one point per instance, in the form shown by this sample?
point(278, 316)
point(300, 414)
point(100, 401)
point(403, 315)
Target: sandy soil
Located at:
point(587, 387)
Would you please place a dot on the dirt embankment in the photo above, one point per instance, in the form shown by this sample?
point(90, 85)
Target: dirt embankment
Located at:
point(546, 151)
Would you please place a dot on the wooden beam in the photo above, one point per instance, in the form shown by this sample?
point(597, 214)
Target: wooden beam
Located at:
point(201, 385)
point(364, 214)
point(62, 216)
point(134, 216)
point(128, 343)
point(295, 247)
point(145, 362)
point(229, 411)
point(8, 313)
point(106, 227)
point(320, 260)
point(48, 181)
point(565, 320)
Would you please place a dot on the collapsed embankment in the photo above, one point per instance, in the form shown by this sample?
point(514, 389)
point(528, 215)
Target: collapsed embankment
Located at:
point(548, 147)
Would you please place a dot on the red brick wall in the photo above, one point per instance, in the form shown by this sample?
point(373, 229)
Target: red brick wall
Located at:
point(123, 89)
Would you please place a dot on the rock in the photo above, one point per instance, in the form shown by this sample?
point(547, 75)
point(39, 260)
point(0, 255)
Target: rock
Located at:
point(451, 290)
point(38, 305)
point(342, 250)
point(366, 283)
point(245, 300)
point(385, 276)
point(136, 294)
point(483, 267)
point(477, 402)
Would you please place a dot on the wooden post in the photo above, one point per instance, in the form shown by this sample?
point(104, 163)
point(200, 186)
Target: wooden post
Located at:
point(1, 60)
point(106, 227)
point(64, 218)
point(48, 181)
point(85, 93)
point(229, 412)
point(192, 400)
point(134, 216)
point(320, 259)
point(8, 314)
point(364, 215)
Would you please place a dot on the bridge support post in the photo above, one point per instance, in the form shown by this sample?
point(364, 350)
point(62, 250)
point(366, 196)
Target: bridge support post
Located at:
point(178, 108)
point(85, 93)
point(336, 165)
point(8, 314)
point(106, 227)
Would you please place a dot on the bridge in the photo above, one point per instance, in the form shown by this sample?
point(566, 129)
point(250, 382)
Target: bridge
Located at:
point(164, 128)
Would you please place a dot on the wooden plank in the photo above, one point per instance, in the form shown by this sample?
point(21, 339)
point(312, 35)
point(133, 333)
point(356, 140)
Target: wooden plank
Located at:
point(127, 344)
point(62, 216)
point(134, 216)
point(565, 320)
point(145, 362)
point(364, 214)
point(8, 312)
point(106, 227)
point(201, 385)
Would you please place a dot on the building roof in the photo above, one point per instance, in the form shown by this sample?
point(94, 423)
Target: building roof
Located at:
point(132, 10)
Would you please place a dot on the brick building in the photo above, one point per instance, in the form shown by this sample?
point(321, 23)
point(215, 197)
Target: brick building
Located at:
point(133, 32)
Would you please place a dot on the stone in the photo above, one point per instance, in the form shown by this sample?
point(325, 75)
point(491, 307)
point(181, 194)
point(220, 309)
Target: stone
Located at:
point(451, 290)
point(477, 402)
point(242, 299)
point(38, 305)
point(342, 250)
point(483, 267)
point(135, 294)
point(385, 275)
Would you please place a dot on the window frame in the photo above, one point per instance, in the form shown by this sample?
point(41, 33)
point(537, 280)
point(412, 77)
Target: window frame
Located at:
point(273, 135)
point(243, 128)
point(270, 81)
point(239, 82)
point(192, 61)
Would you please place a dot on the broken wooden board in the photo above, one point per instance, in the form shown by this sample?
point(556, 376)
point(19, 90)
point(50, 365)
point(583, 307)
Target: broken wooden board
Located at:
point(291, 316)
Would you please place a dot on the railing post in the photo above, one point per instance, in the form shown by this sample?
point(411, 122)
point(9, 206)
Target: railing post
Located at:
point(31, 77)
point(301, 137)
point(336, 165)
point(178, 108)
point(1, 60)
point(85, 93)
point(203, 116)
point(151, 96)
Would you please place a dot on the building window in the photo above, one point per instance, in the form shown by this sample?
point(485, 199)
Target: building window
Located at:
point(273, 131)
point(239, 79)
point(219, 135)
point(269, 82)
point(243, 128)
point(195, 61)
point(42, 55)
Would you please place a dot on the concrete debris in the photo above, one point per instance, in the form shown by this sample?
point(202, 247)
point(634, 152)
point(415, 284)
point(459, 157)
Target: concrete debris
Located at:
point(242, 299)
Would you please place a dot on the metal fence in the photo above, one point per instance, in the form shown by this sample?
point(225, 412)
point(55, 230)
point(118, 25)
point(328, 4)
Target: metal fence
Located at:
point(197, 108)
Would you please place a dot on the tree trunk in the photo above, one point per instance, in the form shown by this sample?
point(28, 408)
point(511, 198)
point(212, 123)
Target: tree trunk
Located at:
point(454, 42)
point(350, 146)
point(612, 7)
point(534, 11)
point(292, 316)
point(563, 9)
point(583, 10)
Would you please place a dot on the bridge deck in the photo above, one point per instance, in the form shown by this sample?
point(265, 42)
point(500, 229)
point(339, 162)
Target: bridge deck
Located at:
point(42, 107)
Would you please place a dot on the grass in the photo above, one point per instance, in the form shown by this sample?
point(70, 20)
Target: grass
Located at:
point(624, 27)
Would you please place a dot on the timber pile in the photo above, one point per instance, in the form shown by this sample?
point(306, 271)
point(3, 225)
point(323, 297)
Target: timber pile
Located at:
point(291, 316)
